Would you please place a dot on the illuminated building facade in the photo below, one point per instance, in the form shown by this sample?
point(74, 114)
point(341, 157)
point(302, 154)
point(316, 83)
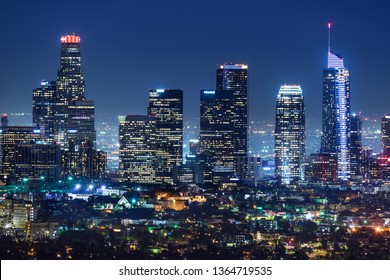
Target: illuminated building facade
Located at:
point(43, 108)
point(82, 119)
point(386, 134)
point(356, 149)
point(16, 213)
point(217, 118)
point(321, 167)
point(64, 115)
point(234, 77)
point(290, 135)
point(336, 113)
point(166, 106)
point(137, 154)
point(72, 111)
point(38, 161)
point(81, 160)
point(10, 137)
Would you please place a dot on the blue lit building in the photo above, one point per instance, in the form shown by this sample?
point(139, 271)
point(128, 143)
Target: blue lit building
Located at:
point(336, 113)
point(290, 135)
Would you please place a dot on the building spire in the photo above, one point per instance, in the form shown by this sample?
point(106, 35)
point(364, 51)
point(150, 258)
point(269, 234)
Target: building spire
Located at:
point(329, 26)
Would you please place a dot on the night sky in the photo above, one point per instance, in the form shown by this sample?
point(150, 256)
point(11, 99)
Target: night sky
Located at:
point(131, 46)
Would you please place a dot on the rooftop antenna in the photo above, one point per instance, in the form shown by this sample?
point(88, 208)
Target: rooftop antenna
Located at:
point(329, 26)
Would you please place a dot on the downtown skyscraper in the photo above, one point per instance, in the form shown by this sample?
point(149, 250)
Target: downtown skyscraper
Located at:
point(290, 135)
point(234, 77)
point(166, 106)
point(137, 152)
point(66, 117)
point(217, 118)
point(336, 113)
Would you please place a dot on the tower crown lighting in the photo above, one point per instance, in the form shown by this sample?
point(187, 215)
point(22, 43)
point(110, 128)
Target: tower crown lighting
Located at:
point(70, 39)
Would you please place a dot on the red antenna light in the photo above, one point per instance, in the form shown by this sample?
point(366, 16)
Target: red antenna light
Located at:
point(329, 24)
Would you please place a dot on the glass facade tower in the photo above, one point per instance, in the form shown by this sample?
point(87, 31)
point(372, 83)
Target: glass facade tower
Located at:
point(290, 135)
point(336, 114)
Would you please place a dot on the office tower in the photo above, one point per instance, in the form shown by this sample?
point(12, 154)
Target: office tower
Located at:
point(81, 118)
point(386, 134)
point(290, 135)
point(70, 79)
point(4, 120)
point(321, 167)
point(72, 111)
point(217, 119)
point(166, 106)
point(43, 108)
point(234, 77)
point(99, 163)
point(10, 137)
point(37, 161)
point(356, 148)
point(137, 154)
point(335, 113)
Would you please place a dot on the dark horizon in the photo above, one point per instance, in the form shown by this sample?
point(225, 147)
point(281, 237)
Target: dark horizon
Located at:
point(129, 48)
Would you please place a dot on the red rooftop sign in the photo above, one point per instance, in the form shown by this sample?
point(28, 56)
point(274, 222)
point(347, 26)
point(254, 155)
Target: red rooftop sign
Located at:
point(70, 39)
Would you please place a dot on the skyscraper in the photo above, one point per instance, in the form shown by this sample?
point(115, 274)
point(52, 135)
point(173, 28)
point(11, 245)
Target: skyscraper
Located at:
point(137, 153)
point(38, 161)
point(70, 79)
point(336, 113)
point(64, 114)
point(166, 106)
point(234, 77)
point(290, 134)
point(217, 119)
point(43, 108)
point(386, 134)
point(10, 137)
point(72, 110)
point(356, 149)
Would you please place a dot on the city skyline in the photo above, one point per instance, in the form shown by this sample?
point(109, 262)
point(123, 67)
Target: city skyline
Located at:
point(201, 170)
point(270, 62)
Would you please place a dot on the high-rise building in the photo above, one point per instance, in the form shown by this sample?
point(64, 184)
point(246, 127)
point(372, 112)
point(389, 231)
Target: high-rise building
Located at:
point(37, 161)
point(166, 106)
point(64, 115)
point(217, 118)
point(234, 77)
point(81, 118)
point(10, 137)
point(321, 167)
point(356, 149)
point(386, 134)
point(43, 108)
point(290, 135)
point(72, 111)
point(70, 79)
point(336, 113)
point(137, 153)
